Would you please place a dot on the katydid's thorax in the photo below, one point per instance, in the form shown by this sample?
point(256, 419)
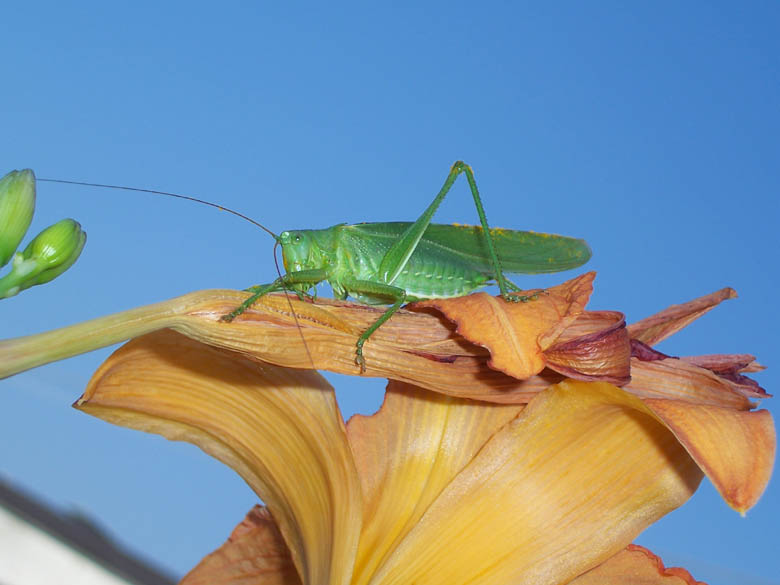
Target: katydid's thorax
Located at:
point(431, 271)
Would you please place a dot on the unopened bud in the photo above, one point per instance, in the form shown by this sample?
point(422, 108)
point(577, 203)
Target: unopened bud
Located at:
point(49, 254)
point(17, 203)
point(56, 248)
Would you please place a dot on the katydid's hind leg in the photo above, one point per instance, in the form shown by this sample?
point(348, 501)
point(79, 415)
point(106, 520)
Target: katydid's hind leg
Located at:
point(399, 253)
point(501, 280)
point(398, 295)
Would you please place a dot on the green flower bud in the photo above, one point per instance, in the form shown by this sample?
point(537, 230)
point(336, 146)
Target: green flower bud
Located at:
point(17, 203)
point(50, 254)
point(55, 249)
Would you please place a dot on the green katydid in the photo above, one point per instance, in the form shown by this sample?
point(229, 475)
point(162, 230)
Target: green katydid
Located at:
point(392, 263)
point(397, 262)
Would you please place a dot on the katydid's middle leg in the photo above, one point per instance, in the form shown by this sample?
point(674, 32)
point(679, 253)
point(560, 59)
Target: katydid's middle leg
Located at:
point(398, 255)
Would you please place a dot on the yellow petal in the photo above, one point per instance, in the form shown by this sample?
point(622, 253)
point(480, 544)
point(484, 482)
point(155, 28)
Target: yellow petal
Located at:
point(735, 449)
point(406, 454)
point(635, 566)
point(560, 489)
point(255, 554)
point(280, 429)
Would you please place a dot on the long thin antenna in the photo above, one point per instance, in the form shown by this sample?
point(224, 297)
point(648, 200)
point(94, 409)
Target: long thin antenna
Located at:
point(295, 317)
point(177, 195)
point(209, 203)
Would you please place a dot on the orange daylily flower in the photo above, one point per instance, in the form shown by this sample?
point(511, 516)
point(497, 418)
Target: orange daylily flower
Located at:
point(432, 488)
point(504, 452)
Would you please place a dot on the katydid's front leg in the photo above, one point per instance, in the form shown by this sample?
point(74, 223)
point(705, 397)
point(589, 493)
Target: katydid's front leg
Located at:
point(399, 253)
point(376, 289)
point(309, 277)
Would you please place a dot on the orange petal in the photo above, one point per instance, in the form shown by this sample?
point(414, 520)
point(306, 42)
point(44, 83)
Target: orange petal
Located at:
point(254, 554)
point(635, 566)
point(735, 449)
point(517, 333)
point(406, 454)
point(658, 327)
point(279, 428)
point(561, 488)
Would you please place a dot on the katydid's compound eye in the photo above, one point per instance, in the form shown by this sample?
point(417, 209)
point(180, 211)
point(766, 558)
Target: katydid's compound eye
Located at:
point(297, 238)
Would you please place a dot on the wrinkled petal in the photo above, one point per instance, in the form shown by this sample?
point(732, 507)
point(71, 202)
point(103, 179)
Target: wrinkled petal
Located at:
point(635, 566)
point(678, 379)
point(735, 449)
point(254, 554)
point(406, 454)
point(658, 327)
point(553, 493)
point(279, 428)
point(421, 346)
point(517, 333)
point(595, 347)
point(418, 347)
point(720, 363)
point(732, 367)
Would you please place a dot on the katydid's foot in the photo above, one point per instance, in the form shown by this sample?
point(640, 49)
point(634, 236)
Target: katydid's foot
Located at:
point(306, 296)
point(359, 359)
point(228, 317)
point(515, 298)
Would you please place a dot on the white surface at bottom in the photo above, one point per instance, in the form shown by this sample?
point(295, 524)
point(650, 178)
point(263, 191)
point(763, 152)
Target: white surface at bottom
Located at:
point(29, 556)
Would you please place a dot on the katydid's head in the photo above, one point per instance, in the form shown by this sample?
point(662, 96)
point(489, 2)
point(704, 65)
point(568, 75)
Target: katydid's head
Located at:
point(296, 250)
point(303, 250)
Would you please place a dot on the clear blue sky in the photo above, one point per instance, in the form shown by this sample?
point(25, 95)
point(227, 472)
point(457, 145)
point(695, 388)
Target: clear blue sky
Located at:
point(650, 129)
